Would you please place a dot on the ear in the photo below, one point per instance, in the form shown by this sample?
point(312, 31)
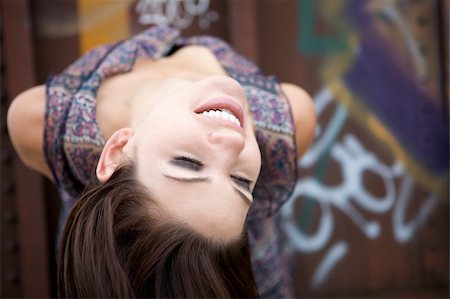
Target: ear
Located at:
point(113, 154)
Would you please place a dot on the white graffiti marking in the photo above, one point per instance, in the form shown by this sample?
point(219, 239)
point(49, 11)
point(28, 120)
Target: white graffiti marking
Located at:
point(354, 160)
point(404, 231)
point(325, 139)
point(299, 240)
point(391, 12)
point(334, 255)
point(177, 13)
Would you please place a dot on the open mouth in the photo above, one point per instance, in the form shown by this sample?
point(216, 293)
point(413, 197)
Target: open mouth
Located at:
point(224, 109)
point(224, 114)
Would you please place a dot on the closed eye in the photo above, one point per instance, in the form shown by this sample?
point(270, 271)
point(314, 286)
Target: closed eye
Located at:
point(243, 182)
point(187, 162)
point(196, 165)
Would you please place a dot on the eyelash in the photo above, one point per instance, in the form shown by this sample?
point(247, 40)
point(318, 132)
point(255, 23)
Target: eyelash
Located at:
point(244, 182)
point(197, 165)
point(189, 162)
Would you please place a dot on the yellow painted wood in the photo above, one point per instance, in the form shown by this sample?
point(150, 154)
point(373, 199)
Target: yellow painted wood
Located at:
point(102, 21)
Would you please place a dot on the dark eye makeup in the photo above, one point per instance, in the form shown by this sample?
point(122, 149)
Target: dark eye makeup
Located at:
point(187, 162)
point(243, 182)
point(196, 165)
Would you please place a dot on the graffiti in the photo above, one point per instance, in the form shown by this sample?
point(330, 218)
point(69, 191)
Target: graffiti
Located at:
point(404, 231)
point(377, 32)
point(324, 138)
point(311, 43)
point(180, 14)
point(354, 159)
point(336, 253)
point(391, 13)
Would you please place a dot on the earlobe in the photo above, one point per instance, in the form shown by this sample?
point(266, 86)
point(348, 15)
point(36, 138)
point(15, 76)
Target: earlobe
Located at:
point(113, 153)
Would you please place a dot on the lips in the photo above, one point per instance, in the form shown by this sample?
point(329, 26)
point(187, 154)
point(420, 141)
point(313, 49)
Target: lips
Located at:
point(223, 104)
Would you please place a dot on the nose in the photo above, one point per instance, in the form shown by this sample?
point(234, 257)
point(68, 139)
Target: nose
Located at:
point(228, 143)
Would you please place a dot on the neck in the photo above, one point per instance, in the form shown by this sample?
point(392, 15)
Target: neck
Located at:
point(118, 103)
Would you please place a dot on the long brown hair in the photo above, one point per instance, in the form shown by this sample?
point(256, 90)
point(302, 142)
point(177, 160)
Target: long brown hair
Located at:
point(118, 244)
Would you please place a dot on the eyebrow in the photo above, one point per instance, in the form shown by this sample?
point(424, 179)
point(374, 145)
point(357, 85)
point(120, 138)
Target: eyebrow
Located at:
point(207, 180)
point(189, 180)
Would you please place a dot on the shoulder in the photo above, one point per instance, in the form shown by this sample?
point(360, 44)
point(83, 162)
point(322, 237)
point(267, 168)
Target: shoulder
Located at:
point(304, 115)
point(26, 122)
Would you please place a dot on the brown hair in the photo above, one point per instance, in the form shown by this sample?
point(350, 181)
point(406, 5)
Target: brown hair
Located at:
point(117, 243)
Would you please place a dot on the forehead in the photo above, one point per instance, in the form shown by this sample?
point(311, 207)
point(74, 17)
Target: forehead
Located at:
point(212, 208)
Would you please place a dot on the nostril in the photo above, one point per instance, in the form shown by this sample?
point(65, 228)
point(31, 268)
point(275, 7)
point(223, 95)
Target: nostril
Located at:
point(229, 140)
point(214, 138)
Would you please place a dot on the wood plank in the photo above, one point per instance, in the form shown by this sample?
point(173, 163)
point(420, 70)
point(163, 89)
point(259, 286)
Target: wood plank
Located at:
point(242, 28)
point(20, 71)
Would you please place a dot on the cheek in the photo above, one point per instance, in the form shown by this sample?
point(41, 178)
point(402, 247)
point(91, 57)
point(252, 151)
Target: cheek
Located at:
point(256, 156)
point(166, 125)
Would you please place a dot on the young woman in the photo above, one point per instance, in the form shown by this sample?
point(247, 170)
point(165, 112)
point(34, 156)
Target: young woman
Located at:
point(187, 150)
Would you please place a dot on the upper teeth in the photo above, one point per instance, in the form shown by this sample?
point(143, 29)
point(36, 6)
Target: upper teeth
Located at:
point(223, 114)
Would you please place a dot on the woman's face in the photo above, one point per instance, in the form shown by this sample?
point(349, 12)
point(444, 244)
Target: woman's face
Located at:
point(200, 165)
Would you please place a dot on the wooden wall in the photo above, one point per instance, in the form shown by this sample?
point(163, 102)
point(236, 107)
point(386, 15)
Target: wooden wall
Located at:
point(369, 216)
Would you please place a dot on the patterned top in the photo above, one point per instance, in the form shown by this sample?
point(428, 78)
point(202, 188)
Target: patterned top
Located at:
point(73, 140)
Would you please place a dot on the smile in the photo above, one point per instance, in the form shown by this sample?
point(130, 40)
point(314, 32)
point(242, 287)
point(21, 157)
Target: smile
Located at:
point(224, 114)
point(223, 108)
